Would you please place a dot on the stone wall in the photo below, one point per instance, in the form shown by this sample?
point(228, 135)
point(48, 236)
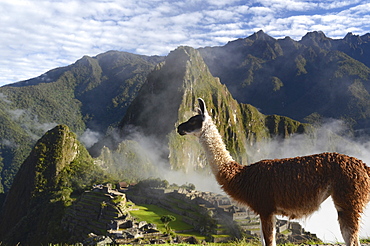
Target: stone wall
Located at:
point(101, 215)
point(195, 206)
point(94, 211)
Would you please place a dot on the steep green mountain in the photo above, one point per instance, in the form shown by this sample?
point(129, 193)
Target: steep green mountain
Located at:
point(167, 98)
point(57, 166)
point(316, 75)
point(314, 78)
point(92, 93)
point(139, 101)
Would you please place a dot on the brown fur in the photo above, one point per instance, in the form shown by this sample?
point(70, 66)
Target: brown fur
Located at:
point(293, 187)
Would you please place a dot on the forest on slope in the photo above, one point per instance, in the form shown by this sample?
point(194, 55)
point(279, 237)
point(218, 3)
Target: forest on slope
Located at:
point(308, 80)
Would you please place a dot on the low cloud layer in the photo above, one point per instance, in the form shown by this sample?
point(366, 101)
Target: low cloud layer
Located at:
point(28, 121)
point(89, 137)
point(40, 35)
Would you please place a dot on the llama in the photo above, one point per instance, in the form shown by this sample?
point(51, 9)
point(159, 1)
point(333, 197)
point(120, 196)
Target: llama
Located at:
point(292, 187)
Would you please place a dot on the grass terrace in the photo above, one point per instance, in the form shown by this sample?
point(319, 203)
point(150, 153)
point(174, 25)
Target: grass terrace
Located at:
point(152, 214)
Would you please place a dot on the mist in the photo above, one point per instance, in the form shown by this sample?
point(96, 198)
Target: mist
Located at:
point(151, 157)
point(4, 97)
point(332, 136)
point(204, 181)
point(89, 137)
point(30, 122)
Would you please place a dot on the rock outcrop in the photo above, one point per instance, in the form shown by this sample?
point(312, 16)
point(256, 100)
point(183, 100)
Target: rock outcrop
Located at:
point(35, 205)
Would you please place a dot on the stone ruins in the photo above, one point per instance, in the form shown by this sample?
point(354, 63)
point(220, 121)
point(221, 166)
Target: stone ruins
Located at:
point(102, 215)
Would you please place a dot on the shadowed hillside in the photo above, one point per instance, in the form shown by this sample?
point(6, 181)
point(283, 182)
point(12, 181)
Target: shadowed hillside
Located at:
point(316, 75)
point(57, 166)
point(308, 80)
point(168, 98)
point(89, 96)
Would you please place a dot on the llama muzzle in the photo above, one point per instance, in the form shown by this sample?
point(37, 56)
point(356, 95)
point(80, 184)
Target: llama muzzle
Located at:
point(181, 130)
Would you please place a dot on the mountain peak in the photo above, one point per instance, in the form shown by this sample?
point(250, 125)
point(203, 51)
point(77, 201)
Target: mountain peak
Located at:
point(41, 189)
point(350, 34)
point(261, 35)
point(366, 38)
point(155, 109)
point(179, 56)
point(315, 35)
point(354, 39)
point(36, 173)
point(163, 91)
point(316, 38)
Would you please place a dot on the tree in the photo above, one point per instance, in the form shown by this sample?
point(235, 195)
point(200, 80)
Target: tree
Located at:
point(166, 219)
point(189, 186)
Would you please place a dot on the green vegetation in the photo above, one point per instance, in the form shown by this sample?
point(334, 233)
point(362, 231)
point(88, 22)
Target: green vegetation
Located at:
point(242, 242)
point(152, 183)
point(365, 240)
point(280, 70)
point(91, 93)
point(57, 169)
point(296, 79)
point(166, 219)
point(129, 161)
point(153, 214)
point(280, 77)
point(64, 164)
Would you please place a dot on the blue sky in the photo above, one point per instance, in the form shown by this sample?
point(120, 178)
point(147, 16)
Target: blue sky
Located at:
point(37, 36)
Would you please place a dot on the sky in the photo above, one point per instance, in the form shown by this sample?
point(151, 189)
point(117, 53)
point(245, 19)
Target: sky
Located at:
point(39, 35)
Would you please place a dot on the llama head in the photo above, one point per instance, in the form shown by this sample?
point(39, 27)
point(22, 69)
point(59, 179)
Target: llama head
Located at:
point(194, 125)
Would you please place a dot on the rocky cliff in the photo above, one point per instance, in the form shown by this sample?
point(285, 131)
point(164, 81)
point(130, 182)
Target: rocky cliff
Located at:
point(57, 166)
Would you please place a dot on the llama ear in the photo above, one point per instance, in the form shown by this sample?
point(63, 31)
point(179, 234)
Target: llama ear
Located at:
point(202, 106)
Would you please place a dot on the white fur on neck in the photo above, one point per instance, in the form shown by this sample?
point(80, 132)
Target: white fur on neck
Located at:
point(213, 144)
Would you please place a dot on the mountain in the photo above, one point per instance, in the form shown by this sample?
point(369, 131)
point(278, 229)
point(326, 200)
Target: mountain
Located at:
point(92, 94)
point(314, 76)
point(355, 46)
point(250, 86)
point(166, 100)
point(57, 166)
point(145, 97)
point(100, 89)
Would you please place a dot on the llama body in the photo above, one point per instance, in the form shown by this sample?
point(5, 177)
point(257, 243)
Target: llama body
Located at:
point(293, 187)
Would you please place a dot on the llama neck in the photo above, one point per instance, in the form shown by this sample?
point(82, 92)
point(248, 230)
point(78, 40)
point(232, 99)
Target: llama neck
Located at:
point(215, 149)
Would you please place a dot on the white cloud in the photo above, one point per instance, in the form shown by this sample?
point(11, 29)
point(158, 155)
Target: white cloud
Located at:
point(16, 113)
point(221, 3)
point(292, 5)
point(261, 11)
point(337, 4)
point(37, 36)
point(8, 143)
point(3, 98)
point(89, 138)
